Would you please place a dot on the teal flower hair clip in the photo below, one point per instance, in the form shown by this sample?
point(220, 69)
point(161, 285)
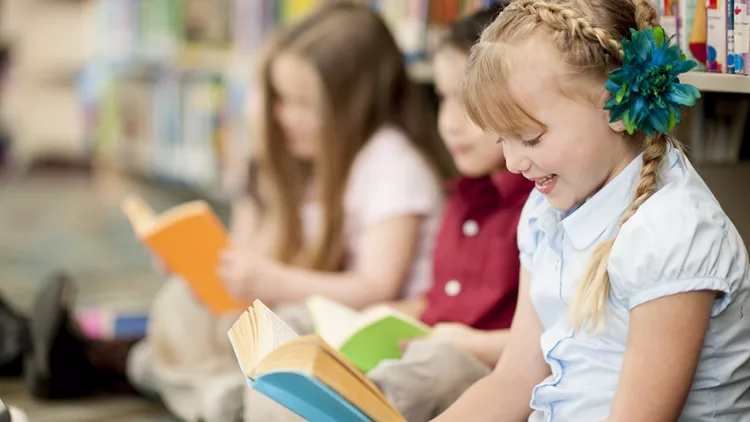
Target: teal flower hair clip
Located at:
point(646, 91)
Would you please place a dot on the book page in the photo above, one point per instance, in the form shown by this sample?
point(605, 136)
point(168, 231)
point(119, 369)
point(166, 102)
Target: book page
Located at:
point(272, 331)
point(333, 321)
point(243, 343)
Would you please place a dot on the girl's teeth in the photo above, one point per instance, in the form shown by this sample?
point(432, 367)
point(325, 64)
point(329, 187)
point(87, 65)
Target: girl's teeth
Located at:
point(546, 180)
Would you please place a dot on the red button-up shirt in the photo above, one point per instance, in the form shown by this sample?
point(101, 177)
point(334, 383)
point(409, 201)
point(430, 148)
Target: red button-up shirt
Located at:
point(476, 264)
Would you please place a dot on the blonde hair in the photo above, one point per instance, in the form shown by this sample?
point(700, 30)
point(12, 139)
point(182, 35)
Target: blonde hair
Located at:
point(588, 35)
point(364, 86)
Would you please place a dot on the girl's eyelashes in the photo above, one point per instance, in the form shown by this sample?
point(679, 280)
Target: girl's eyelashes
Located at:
point(532, 142)
point(524, 142)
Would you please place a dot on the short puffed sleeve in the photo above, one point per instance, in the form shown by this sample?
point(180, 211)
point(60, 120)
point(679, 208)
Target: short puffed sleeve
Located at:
point(677, 245)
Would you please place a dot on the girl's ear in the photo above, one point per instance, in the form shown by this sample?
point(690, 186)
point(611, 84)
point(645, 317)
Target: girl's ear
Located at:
point(618, 126)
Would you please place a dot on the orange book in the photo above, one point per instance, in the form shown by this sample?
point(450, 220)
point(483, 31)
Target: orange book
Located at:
point(188, 239)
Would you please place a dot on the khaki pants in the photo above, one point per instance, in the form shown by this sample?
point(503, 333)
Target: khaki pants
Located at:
point(187, 360)
point(421, 385)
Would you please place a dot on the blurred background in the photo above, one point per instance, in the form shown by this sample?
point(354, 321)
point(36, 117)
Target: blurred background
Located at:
point(100, 98)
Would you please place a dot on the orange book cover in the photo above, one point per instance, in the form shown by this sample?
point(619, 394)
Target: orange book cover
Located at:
point(188, 239)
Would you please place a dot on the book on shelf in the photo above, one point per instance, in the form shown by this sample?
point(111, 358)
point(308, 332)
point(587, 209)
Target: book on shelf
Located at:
point(714, 33)
point(365, 338)
point(692, 31)
point(304, 374)
point(188, 239)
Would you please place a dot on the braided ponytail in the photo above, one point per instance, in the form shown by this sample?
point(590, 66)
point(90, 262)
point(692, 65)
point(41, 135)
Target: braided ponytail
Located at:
point(591, 300)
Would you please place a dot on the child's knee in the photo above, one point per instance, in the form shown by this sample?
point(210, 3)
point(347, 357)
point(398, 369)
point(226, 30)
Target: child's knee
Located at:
point(427, 379)
point(410, 385)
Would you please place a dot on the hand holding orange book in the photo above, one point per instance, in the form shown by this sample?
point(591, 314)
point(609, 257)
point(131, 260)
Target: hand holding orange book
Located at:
point(188, 239)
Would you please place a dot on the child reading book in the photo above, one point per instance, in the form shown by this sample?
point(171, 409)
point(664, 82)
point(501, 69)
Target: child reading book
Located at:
point(344, 201)
point(633, 302)
point(475, 270)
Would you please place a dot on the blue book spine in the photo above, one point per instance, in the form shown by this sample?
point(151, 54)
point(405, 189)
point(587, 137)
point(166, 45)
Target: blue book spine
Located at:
point(307, 397)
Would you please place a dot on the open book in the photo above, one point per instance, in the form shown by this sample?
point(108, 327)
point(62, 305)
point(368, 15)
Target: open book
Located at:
point(188, 239)
point(365, 338)
point(304, 374)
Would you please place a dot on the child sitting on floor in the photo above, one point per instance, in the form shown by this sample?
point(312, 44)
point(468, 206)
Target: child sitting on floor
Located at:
point(475, 263)
point(634, 287)
point(344, 200)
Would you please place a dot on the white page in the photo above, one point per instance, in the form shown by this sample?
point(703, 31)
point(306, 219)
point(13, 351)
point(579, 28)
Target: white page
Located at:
point(333, 321)
point(272, 331)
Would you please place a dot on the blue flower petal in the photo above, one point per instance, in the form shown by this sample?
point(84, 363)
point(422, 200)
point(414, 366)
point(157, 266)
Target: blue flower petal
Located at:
point(612, 86)
point(659, 119)
point(683, 94)
point(683, 66)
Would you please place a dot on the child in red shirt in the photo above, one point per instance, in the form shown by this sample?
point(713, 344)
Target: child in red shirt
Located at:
point(475, 268)
point(475, 263)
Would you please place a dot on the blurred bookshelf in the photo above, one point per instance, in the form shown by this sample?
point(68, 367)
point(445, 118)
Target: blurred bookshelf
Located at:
point(159, 88)
point(165, 90)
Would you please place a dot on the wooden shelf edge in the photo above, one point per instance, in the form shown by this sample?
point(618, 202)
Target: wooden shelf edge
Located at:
point(717, 82)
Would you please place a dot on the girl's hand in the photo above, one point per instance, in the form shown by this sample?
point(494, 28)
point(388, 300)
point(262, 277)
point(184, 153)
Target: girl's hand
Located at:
point(458, 335)
point(249, 275)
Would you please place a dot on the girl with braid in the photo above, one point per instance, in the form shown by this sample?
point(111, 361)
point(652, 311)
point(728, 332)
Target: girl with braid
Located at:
point(633, 280)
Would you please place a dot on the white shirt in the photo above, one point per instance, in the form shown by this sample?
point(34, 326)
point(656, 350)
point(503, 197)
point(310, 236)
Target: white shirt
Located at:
point(679, 240)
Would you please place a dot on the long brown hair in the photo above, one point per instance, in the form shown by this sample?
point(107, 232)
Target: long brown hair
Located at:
point(588, 34)
point(365, 86)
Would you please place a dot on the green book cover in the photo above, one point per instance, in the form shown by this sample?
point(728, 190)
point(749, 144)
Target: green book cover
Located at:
point(365, 338)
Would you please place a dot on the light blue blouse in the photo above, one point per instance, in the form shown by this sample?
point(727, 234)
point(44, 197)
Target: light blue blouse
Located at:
point(679, 240)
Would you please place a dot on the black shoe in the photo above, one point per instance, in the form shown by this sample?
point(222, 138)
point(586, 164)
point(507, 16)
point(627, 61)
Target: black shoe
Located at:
point(57, 366)
point(14, 340)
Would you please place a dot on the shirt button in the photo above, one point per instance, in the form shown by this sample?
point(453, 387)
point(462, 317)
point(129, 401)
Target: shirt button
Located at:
point(470, 228)
point(452, 288)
